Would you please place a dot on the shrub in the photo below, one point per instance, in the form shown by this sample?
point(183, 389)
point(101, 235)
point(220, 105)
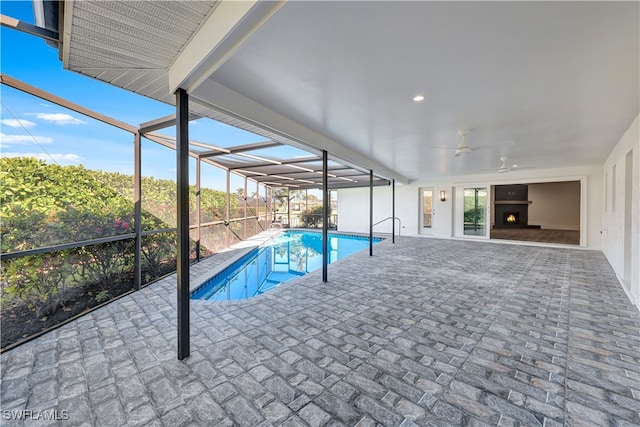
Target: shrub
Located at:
point(313, 216)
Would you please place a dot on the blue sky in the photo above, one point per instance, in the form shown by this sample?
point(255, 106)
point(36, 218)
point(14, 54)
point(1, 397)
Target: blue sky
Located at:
point(34, 127)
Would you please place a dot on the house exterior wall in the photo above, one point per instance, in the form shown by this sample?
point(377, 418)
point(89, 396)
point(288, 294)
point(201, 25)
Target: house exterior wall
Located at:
point(614, 227)
point(353, 209)
point(353, 204)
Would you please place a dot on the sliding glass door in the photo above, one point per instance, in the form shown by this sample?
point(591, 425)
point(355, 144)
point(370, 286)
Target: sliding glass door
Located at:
point(475, 211)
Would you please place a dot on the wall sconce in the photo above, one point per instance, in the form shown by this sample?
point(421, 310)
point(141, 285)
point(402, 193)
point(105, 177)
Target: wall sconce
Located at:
point(443, 195)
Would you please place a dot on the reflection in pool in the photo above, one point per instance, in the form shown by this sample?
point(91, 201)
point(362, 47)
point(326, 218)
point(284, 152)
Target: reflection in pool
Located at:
point(289, 255)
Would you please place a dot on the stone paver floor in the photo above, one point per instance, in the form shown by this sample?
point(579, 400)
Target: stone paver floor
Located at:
point(426, 332)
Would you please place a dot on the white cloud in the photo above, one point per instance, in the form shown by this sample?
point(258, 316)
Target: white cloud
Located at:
point(59, 118)
point(23, 139)
point(65, 158)
point(17, 123)
point(69, 158)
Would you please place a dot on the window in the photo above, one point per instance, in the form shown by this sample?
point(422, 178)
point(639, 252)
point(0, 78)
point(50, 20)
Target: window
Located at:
point(427, 208)
point(606, 192)
point(475, 211)
point(613, 188)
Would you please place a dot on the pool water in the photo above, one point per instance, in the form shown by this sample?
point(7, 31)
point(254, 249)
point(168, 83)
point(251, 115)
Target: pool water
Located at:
point(289, 255)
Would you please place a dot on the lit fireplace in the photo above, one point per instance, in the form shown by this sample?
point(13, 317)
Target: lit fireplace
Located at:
point(511, 218)
point(511, 206)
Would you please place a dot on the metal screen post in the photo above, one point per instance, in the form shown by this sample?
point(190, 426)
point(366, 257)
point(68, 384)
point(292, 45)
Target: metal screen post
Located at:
point(393, 211)
point(370, 212)
point(137, 199)
point(266, 207)
point(270, 207)
point(228, 208)
point(288, 207)
point(198, 199)
point(182, 166)
point(245, 209)
point(325, 190)
point(256, 226)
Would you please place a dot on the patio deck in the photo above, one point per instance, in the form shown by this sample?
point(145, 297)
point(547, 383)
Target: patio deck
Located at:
point(427, 332)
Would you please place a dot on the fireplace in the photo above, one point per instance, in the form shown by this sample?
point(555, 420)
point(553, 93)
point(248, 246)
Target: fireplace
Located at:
point(511, 218)
point(511, 207)
point(512, 214)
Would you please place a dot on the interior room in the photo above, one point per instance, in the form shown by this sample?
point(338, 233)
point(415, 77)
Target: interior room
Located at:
point(545, 212)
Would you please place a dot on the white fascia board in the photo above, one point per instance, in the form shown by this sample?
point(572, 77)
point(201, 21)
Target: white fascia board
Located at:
point(230, 25)
point(64, 50)
point(220, 98)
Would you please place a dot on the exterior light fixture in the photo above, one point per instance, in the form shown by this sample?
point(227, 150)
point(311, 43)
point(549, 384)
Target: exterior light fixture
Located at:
point(443, 195)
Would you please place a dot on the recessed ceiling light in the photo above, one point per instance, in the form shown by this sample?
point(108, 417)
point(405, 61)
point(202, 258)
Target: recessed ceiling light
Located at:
point(418, 98)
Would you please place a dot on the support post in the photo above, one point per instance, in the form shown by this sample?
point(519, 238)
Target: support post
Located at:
point(370, 212)
point(182, 166)
point(325, 209)
point(393, 211)
point(270, 210)
point(288, 207)
point(267, 210)
point(137, 197)
point(228, 207)
point(244, 228)
point(198, 199)
point(256, 224)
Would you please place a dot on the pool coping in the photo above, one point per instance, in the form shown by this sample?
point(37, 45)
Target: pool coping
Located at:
point(219, 263)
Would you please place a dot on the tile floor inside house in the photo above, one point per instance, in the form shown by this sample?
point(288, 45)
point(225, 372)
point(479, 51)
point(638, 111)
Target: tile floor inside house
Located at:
point(427, 332)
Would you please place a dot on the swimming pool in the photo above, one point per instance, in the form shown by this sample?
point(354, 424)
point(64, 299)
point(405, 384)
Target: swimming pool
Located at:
point(288, 255)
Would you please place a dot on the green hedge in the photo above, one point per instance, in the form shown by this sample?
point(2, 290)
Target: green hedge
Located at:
point(45, 204)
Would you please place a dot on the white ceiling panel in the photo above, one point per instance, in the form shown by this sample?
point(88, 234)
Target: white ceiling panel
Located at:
point(553, 83)
point(549, 84)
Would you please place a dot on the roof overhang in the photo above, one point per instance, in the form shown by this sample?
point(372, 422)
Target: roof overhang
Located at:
point(130, 50)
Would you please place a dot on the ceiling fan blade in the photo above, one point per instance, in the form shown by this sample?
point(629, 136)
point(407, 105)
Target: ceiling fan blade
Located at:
point(443, 148)
point(463, 150)
point(504, 168)
point(500, 144)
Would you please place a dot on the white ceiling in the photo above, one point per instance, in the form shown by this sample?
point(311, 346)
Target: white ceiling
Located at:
point(548, 84)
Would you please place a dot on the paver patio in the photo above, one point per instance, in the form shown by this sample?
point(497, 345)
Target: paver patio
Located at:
point(427, 332)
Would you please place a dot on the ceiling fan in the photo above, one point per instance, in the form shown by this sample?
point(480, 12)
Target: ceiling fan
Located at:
point(505, 168)
point(464, 148)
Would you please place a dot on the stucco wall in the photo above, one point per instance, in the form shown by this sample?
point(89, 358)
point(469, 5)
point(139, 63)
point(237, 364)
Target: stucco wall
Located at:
point(353, 204)
point(622, 201)
point(353, 209)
